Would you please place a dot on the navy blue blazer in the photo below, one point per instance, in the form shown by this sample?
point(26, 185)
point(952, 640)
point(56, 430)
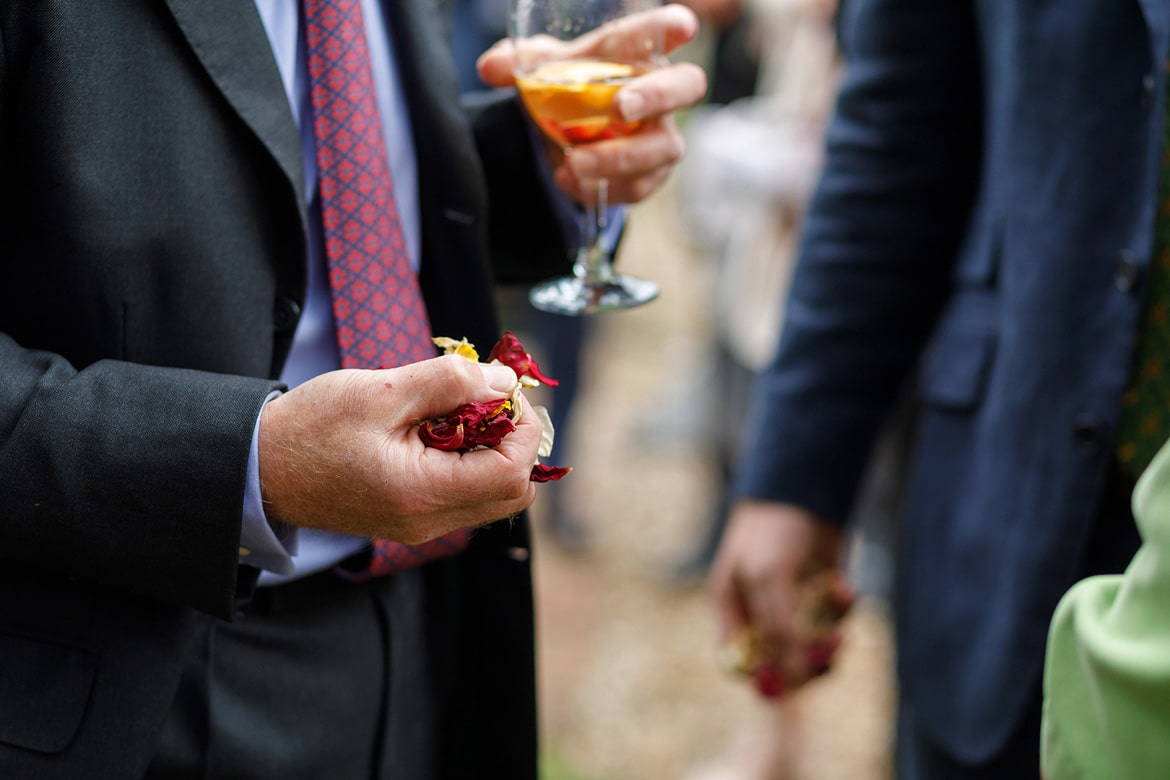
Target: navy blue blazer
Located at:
point(980, 233)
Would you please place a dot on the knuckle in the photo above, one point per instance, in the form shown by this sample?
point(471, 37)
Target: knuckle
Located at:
point(516, 487)
point(517, 490)
point(696, 77)
point(461, 370)
point(622, 161)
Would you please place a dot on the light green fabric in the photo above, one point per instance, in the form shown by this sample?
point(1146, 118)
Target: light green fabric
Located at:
point(1107, 677)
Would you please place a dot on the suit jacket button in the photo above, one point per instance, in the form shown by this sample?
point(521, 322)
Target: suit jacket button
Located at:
point(1148, 86)
point(286, 313)
point(1126, 272)
point(1087, 434)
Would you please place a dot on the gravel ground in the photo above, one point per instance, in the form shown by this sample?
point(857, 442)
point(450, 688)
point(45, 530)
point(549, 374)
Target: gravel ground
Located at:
point(629, 685)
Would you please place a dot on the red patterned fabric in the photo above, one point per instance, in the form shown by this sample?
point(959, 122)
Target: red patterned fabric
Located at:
point(377, 305)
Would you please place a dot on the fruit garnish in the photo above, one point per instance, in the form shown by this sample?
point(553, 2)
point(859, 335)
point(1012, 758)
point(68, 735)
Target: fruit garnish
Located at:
point(580, 73)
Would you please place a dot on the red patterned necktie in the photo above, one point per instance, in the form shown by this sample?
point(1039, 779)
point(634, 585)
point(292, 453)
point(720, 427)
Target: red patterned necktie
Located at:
point(377, 305)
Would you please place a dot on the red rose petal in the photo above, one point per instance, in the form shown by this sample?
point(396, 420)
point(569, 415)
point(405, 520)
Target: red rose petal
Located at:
point(474, 424)
point(769, 682)
point(441, 435)
point(509, 351)
point(543, 473)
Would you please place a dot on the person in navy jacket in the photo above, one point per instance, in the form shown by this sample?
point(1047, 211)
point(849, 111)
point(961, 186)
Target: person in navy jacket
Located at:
point(978, 244)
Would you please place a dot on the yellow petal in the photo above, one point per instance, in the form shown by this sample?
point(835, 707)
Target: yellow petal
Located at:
point(452, 347)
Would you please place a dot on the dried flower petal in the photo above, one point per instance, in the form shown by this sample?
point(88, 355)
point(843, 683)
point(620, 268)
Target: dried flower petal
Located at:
point(472, 425)
point(822, 600)
point(478, 425)
point(769, 681)
point(452, 347)
point(543, 473)
point(547, 433)
point(490, 433)
point(442, 435)
point(509, 351)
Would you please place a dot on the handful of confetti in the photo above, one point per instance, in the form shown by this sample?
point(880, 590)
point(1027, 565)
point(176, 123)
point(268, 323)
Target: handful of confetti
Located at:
point(821, 602)
point(479, 425)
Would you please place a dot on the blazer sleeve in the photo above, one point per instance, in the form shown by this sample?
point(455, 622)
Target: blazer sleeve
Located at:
point(526, 235)
point(877, 251)
point(124, 475)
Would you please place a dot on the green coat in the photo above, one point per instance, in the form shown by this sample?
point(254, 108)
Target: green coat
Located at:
point(1107, 678)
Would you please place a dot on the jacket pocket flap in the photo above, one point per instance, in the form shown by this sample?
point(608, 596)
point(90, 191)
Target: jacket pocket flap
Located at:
point(956, 371)
point(44, 689)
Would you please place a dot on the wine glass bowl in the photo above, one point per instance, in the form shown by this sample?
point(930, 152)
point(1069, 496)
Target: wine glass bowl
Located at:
point(572, 57)
point(572, 101)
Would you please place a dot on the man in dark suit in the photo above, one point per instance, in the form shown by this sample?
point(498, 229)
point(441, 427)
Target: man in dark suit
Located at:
point(981, 236)
point(163, 254)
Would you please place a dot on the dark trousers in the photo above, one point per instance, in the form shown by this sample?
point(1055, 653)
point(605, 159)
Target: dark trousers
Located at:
point(918, 758)
point(299, 686)
point(1112, 544)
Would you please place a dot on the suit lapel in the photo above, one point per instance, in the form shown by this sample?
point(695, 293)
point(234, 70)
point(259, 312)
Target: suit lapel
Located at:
point(1157, 13)
point(229, 40)
point(426, 70)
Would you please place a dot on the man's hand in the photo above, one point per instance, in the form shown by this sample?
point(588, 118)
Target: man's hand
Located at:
point(638, 164)
point(341, 452)
point(769, 556)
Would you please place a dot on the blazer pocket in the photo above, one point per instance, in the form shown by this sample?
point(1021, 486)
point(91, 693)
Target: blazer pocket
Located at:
point(979, 261)
point(44, 689)
point(957, 365)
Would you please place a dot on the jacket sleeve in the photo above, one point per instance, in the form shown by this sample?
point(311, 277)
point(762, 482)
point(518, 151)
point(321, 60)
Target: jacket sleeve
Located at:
point(526, 234)
point(124, 475)
point(877, 251)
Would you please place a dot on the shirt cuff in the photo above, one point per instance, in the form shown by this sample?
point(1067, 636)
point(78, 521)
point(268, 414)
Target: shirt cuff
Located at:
point(263, 544)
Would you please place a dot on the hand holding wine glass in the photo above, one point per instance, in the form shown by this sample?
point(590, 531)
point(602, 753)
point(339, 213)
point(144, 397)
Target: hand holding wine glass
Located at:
point(593, 76)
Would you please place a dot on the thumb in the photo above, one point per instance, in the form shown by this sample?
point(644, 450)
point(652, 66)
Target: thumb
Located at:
point(436, 387)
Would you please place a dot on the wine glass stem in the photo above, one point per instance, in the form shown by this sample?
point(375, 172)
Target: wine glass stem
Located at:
point(593, 262)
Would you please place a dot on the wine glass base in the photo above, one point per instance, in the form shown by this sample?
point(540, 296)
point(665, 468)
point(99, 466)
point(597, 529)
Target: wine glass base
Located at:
point(574, 297)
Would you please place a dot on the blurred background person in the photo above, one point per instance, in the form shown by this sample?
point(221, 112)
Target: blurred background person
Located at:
point(970, 243)
point(756, 149)
point(744, 188)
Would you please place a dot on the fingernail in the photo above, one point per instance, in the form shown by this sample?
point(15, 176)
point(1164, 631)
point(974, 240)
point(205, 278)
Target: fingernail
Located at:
point(631, 105)
point(499, 378)
point(584, 164)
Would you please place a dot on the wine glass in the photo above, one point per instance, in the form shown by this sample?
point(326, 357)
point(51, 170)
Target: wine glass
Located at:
point(571, 58)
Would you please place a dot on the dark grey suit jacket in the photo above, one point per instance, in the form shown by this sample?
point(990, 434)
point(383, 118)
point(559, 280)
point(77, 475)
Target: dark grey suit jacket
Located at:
point(981, 233)
point(153, 263)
